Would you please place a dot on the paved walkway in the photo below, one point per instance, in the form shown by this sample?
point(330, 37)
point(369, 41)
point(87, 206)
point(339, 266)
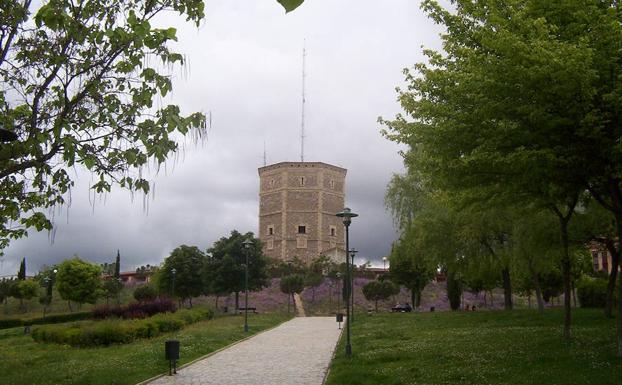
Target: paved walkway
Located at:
point(296, 352)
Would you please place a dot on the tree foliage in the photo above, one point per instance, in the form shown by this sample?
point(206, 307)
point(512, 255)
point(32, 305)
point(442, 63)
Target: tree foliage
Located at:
point(379, 291)
point(80, 81)
point(78, 281)
point(181, 274)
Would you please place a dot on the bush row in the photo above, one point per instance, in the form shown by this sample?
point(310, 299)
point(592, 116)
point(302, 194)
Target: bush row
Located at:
point(136, 309)
point(51, 319)
point(592, 292)
point(118, 331)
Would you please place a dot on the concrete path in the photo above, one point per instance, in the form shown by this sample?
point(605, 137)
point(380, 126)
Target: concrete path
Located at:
point(300, 309)
point(296, 352)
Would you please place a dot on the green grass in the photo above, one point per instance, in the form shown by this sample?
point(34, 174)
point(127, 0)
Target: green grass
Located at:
point(27, 362)
point(479, 348)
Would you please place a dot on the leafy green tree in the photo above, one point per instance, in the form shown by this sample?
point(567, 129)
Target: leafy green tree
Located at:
point(111, 288)
point(229, 255)
point(290, 285)
point(379, 291)
point(181, 274)
point(28, 289)
point(408, 269)
point(78, 281)
point(518, 103)
point(145, 292)
point(78, 89)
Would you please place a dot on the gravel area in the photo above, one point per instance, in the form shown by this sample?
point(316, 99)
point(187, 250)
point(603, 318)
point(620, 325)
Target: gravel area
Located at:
point(296, 352)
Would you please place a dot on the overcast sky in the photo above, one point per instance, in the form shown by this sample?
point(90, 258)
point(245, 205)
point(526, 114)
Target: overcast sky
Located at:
point(245, 67)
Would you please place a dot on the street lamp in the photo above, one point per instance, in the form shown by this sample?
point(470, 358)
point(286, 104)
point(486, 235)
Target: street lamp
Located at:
point(338, 300)
point(173, 271)
point(247, 245)
point(347, 216)
point(352, 253)
point(384, 263)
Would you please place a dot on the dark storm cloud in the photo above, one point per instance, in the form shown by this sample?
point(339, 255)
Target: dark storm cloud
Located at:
point(244, 66)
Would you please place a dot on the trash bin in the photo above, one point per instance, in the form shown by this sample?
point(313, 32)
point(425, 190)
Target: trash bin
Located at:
point(171, 353)
point(339, 317)
point(171, 350)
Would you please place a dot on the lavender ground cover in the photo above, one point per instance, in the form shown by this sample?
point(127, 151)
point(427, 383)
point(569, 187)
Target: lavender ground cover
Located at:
point(327, 296)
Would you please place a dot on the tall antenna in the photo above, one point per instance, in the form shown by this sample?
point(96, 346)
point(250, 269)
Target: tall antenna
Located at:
point(265, 162)
point(302, 124)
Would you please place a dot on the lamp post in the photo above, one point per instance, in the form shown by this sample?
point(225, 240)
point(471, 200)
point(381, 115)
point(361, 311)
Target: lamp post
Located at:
point(247, 245)
point(384, 263)
point(338, 300)
point(352, 254)
point(347, 216)
point(173, 271)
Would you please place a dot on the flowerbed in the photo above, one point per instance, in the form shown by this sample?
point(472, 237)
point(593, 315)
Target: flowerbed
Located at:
point(136, 309)
point(118, 331)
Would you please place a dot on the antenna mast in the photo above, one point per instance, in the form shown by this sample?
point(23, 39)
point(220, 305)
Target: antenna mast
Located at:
point(264, 154)
point(302, 124)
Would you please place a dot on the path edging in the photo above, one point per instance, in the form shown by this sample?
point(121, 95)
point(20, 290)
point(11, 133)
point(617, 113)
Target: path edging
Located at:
point(147, 381)
point(332, 357)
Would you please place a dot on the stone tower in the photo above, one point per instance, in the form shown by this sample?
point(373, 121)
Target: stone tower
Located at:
point(297, 206)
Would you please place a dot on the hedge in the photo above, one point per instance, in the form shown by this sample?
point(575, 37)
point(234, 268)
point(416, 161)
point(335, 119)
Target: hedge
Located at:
point(118, 331)
point(135, 310)
point(50, 319)
point(592, 292)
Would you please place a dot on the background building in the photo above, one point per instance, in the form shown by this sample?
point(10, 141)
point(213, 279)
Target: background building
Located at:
point(297, 206)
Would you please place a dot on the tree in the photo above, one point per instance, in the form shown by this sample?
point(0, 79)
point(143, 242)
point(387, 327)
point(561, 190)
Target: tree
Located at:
point(454, 289)
point(47, 279)
point(21, 274)
point(28, 289)
point(229, 257)
point(111, 288)
point(77, 89)
point(186, 282)
point(379, 291)
point(78, 281)
point(520, 99)
point(145, 293)
point(405, 271)
point(290, 285)
point(314, 276)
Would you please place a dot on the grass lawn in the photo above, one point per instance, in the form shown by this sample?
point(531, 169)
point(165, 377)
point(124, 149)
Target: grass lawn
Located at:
point(479, 348)
point(27, 362)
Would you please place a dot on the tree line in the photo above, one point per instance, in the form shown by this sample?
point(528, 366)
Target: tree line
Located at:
point(512, 152)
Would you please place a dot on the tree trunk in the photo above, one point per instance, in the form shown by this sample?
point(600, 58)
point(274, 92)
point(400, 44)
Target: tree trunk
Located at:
point(237, 302)
point(313, 294)
point(620, 317)
point(288, 300)
point(70, 309)
point(613, 275)
point(566, 277)
point(412, 297)
point(507, 288)
point(485, 299)
point(376, 306)
point(216, 303)
point(538, 289)
point(190, 301)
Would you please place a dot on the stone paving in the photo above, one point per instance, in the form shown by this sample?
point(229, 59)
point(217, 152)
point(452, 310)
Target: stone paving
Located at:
point(296, 352)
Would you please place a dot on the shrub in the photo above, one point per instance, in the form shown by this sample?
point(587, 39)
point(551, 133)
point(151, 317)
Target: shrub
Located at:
point(136, 309)
point(592, 292)
point(145, 293)
point(118, 331)
point(50, 319)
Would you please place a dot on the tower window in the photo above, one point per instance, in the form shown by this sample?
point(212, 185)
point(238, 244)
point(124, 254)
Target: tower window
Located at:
point(302, 229)
point(332, 183)
point(271, 230)
point(333, 231)
point(302, 181)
